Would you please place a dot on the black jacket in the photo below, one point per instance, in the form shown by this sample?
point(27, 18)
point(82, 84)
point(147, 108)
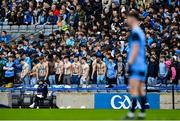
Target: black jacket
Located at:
point(42, 89)
point(152, 69)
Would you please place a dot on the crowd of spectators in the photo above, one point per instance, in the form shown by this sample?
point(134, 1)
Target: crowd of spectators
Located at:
point(91, 44)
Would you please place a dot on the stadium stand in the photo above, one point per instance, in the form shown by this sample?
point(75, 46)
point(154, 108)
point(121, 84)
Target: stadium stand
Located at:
point(38, 36)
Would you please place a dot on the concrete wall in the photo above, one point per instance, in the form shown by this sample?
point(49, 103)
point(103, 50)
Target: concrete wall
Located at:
point(86, 100)
point(166, 100)
point(75, 100)
point(6, 98)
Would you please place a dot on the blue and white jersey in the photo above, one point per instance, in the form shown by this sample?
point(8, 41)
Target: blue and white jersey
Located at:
point(111, 70)
point(137, 37)
point(10, 72)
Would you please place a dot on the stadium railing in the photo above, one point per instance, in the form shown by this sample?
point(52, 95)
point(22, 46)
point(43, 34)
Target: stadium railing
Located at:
point(93, 87)
point(16, 30)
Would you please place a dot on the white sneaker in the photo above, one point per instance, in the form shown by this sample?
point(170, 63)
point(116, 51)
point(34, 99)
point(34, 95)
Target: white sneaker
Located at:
point(32, 105)
point(37, 107)
point(130, 115)
point(141, 115)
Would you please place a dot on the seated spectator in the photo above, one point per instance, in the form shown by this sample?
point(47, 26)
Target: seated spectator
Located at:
point(42, 92)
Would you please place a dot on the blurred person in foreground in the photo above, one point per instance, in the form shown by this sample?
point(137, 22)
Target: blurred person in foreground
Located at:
point(42, 92)
point(137, 65)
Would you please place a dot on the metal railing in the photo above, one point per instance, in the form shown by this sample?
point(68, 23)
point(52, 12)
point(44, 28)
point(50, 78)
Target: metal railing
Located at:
point(17, 30)
point(27, 28)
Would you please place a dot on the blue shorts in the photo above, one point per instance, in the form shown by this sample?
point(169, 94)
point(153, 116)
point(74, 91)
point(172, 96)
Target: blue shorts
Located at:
point(137, 75)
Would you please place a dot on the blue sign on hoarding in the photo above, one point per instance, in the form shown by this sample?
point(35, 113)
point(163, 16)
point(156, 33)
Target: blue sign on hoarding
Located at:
point(123, 101)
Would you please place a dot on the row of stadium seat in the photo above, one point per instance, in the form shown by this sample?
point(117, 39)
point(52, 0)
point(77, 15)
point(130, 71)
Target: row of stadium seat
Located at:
point(16, 27)
point(29, 28)
point(93, 87)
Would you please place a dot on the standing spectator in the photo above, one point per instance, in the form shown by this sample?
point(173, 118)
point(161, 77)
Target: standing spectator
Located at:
point(111, 72)
point(3, 62)
point(24, 77)
point(17, 67)
point(69, 40)
point(177, 67)
point(73, 18)
point(101, 72)
point(28, 60)
point(12, 18)
point(56, 12)
point(42, 70)
point(59, 67)
point(81, 13)
point(84, 81)
point(163, 71)
point(28, 18)
point(94, 71)
point(52, 19)
point(42, 18)
point(152, 72)
point(106, 5)
point(5, 37)
point(9, 72)
point(67, 71)
point(171, 71)
point(51, 77)
point(20, 18)
point(62, 24)
point(33, 79)
point(76, 71)
point(120, 71)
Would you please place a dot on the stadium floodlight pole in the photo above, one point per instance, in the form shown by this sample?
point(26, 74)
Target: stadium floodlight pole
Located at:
point(173, 105)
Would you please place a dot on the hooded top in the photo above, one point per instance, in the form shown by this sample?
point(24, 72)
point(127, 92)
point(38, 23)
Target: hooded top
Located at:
point(173, 70)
